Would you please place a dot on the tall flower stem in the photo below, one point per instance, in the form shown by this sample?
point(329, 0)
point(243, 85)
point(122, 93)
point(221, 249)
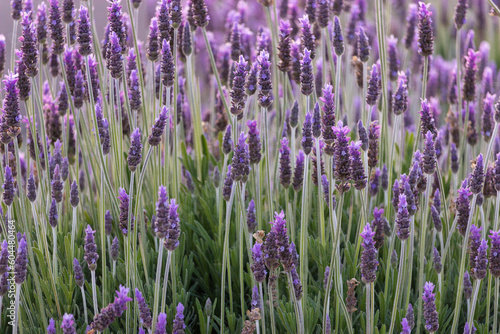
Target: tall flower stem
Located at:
point(477, 285)
point(303, 226)
point(338, 72)
point(458, 58)
point(54, 251)
point(421, 252)
point(495, 307)
point(221, 200)
point(225, 252)
point(402, 260)
point(241, 216)
point(16, 307)
point(73, 231)
point(409, 266)
point(263, 307)
point(296, 303)
point(94, 292)
point(458, 300)
point(268, 163)
point(165, 280)
point(271, 302)
point(84, 305)
point(424, 88)
point(369, 307)
point(497, 280)
point(321, 212)
point(157, 282)
point(13, 45)
point(195, 112)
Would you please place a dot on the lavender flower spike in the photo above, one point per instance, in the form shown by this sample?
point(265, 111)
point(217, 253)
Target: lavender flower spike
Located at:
point(56, 28)
point(11, 119)
point(21, 262)
point(241, 160)
point(258, 266)
point(167, 65)
point(357, 169)
point(430, 312)
point(254, 145)
point(53, 214)
point(307, 138)
point(429, 158)
point(161, 324)
point(470, 73)
point(29, 46)
point(178, 326)
point(298, 173)
point(306, 75)
point(134, 153)
point(285, 168)
point(91, 255)
point(51, 329)
point(264, 80)
point(341, 155)
point(84, 33)
point(460, 12)
point(373, 92)
point(77, 269)
point(462, 204)
point(144, 311)
point(251, 217)
point(425, 30)
point(405, 328)
point(68, 324)
point(495, 254)
point(402, 219)
point(9, 190)
point(328, 119)
point(162, 213)
point(369, 261)
point(238, 95)
point(158, 128)
point(400, 98)
point(337, 38)
point(174, 229)
point(481, 261)
point(477, 178)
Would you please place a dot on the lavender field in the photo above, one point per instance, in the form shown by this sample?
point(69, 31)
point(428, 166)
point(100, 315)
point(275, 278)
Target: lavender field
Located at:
point(250, 166)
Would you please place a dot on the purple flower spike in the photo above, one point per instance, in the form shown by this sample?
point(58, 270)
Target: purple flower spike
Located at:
point(436, 219)
point(238, 95)
point(467, 329)
point(410, 316)
point(405, 327)
point(153, 48)
point(51, 329)
point(228, 185)
point(307, 37)
point(9, 190)
point(429, 158)
point(460, 12)
point(425, 30)
point(411, 20)
point(2, 53)
point(285, 167)
point(369, 261)
point(115, 249)
point(10, 126)
point(467, 286)
point(495, 253)
point(114, 56)
point(297, 285)
point(124, 203)
point(112, 311)
point(400, 98)
point(363, 45)
point(306, 74)
point(328, 119)
point(426, 119)
point(251, 217)
point(53, 214)
point(68, 324)
point(178, 326)
point(264, 80)
point(373, 92)
point(436, 259)
point(487, 117)
point(255, 298)
point(162, 213)
point(341, 155)
point(373, 136)
point(4, 257)
point(158, 128)
point(254, 145)
point(375, 182)
point(477, 178)
point(174, 228)
point(357, 169)
point(430, 312)
point(144, 311)
point(21, 262)
point(481, 261)
point(241, 160)
point(470, 73)
point(298, 174)
point(91, 255)
point(363, 136)
point(227, 142)
point(200, 13)
point(258, 267)
point(31, 189)
point(134, 153)
point(56, 27)
point(285, 63)
point(402, 219)
point(167, 65)
point(77, 269)
point(161, 324)
point(497, 173)
point(29, 46)
point(393, 60)
point(307, 138)
point(84, 33)
point(338, 39)
point(463, 209)
point(134, 92)
point(454, 158)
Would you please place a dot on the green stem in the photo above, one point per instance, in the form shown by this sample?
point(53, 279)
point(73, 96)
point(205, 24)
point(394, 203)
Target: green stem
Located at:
point(157, 283)
point(225, 252)
point(402, 260)
point(165, 280)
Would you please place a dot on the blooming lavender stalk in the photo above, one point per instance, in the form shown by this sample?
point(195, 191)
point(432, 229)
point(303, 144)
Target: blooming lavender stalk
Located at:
point(400, 98)
point(251, 217)
point(145, 313)
point(241, 160)
point(307, 37)
point(134, 154)
point(134, 92)
point(114, 56)
point(429, 157)
point(254, 145)
point(430, 313)
point(373, 92)
point(161, 324)
point(285, 167)
point(11, 118)
point(51, 328)
point(238, 95)
point(460, 12)
point(264, 80)
point(84, 33)
point(68, 324)
point(179, 325)
point(425, 30)
point(469, 79)
point(167, 65)
point(114, 310)
point(9, 190)
point(56, 28)
point(373, 137)
point(357, 170)
point(487, 117)
point(153, 48)
point(29, 47)
point(284, 47)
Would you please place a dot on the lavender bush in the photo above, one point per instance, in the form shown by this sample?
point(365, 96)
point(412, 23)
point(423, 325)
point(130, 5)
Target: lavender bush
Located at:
point(269, 166)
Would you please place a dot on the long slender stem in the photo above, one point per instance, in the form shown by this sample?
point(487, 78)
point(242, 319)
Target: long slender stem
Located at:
point(458, 300)
point(157, 282)
point(165, 280)
point(397, 293)
point(16, 308)
point(84, 305)
point(321, 212)
point(94, 293)
point(477, 285)
point(54, 251)
point(263, 307)
point(369, 320)
point(495, 307)
point(271, 301)
point(225, 252)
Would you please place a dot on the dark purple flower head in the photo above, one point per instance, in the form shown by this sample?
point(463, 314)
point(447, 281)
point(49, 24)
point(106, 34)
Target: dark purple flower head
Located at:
point(114, 310)
point(363, 136)
point(251, 80)
point(373, 136)
point(402, 219)
point(328, 119)
point(179, 326)
point(158, 128)
point(144, 311)
point(477, 178)
point(161, 324)
point(254, 145)
point(393, 60)
point(497, 173)
point(436, 219)
point(264, 80)
point(2, 53)
point(341, 155)
point(241, 160)
point(258, 267)
point(405, 328)
point(21, 262)
point(117, 22)
point(29, 46)
point(114, 56)
point(134, 92)
point(285, 63)
point(77, 269)
point(436, 259)
point(16, 9)
point(4, 257)
point(411, 20)
point(124, 203)
point(51, 329)
point(467, 329)
point(307, 38)
point(384, 179)
point(363, 45)
point(68, 324)
point(11, 118)
point(425, 30)
point(487, 124)
point(306, 74)
point(298, 174)
point(84, 33)
point(338, 39)
point(469, 77)
point(115, 249)
point(495, 253)
point(79, 90)
point(9, 189)
point(430, 312)
point(153, 47)
point(31, 189)
point(481, 261)
point(56, 27)
point(452, 88)
point(307, 138)
point(200, 13)
point(162, 213)
point(400, 98)
point(429, 157)
point(427, 122)
point(369, 261)
point(251, 217)
point(374, 182)
point(68, 10)
point(91, 255)
point(357, 169)
point(228, 185)
point(467, 286)
point(462, 204)
point(454, 158)
point(174, 229)
point(373, 92)
point(238, 94)
point(460, 12)
point(285, 166)
point(134, 154)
